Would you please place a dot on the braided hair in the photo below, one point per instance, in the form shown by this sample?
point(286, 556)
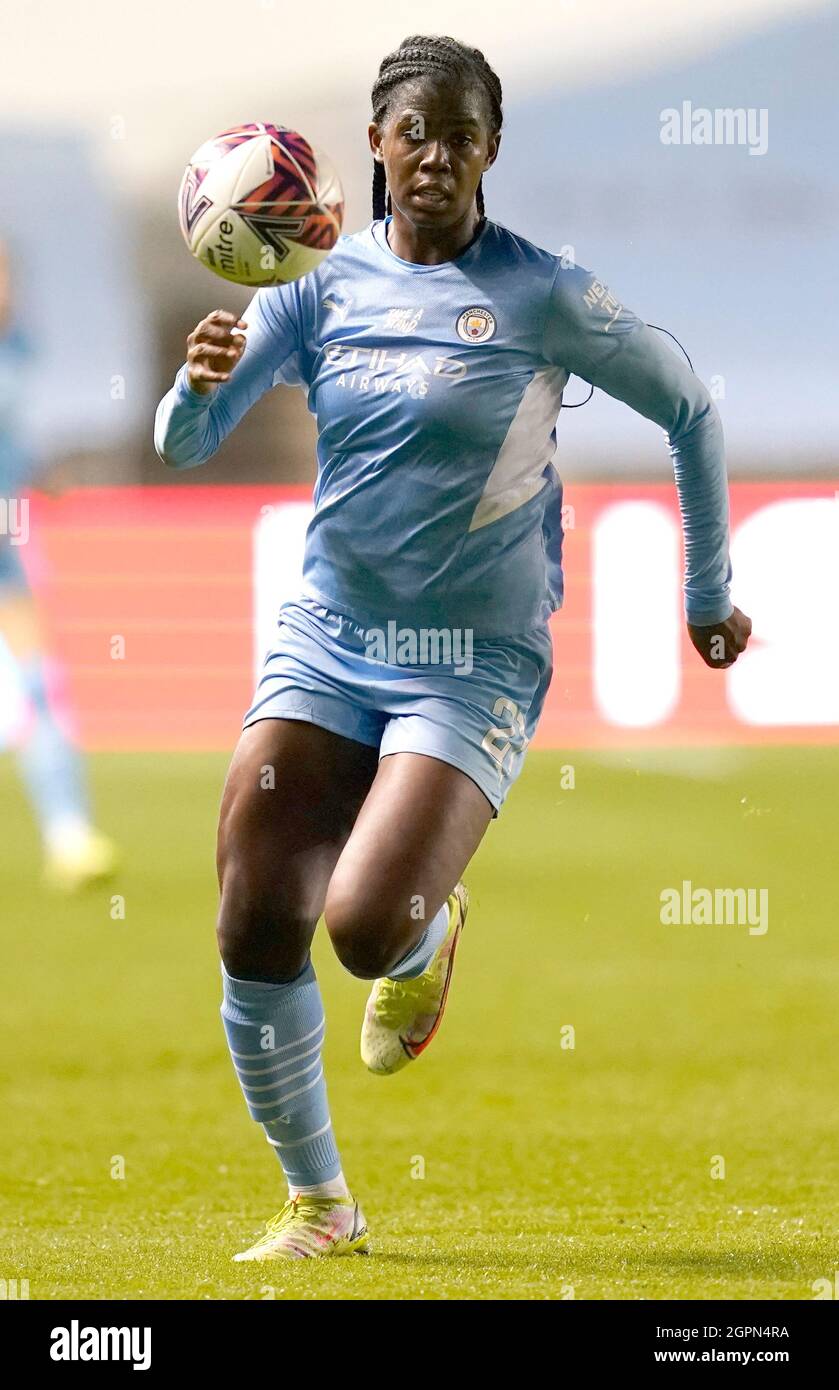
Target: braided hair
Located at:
point(430, 55)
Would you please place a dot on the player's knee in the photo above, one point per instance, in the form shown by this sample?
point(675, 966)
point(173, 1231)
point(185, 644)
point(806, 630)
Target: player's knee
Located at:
point(254, 943)
point(367, 938)
point(259, 932)
point(363, 956)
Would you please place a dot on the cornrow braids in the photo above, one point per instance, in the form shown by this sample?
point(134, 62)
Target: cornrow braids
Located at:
point(430, 55)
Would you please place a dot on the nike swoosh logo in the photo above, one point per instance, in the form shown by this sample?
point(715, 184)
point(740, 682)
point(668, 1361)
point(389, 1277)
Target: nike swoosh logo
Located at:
point(357, 1229)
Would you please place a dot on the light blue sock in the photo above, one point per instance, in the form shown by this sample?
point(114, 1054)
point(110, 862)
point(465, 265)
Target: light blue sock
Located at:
point(50, 766)
point(275, 1035)
point(418, 958)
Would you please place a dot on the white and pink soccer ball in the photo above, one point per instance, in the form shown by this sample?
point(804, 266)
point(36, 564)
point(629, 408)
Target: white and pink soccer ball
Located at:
point(258, 205)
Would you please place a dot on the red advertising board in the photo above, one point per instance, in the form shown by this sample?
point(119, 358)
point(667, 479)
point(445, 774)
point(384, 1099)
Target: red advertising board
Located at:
point(155, 600)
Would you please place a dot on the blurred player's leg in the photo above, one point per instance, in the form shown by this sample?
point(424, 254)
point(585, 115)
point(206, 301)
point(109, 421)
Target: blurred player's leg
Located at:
point(396, 908)
point(292, 795)
point(51, 768)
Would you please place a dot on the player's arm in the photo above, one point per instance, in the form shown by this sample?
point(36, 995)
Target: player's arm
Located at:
point(593, 335)
point(230, 363)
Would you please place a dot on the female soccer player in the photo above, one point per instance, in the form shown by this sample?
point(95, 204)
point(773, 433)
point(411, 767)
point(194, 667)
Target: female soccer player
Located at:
point(435, 345)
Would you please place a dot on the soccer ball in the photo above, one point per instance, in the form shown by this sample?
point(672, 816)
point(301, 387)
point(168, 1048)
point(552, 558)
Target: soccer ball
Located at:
point(259, 205)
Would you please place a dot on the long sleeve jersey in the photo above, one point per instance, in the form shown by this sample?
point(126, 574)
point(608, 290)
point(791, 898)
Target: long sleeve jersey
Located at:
point(437, 390)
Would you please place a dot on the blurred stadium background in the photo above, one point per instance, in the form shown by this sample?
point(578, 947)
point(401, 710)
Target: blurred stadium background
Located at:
point(735, 254)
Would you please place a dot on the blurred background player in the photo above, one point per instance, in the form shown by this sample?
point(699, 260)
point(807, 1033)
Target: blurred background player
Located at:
point(75, 853)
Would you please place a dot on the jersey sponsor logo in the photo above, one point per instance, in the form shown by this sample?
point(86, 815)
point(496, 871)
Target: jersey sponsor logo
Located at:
point(476, 325)
point(379, 369)
point(403, 320)
point(599, 296)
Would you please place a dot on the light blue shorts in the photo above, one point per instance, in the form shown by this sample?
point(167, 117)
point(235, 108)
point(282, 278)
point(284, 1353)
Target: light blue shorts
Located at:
point(410, 690)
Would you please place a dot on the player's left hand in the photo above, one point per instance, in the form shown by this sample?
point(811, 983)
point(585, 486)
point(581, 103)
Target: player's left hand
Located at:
point(720, 644)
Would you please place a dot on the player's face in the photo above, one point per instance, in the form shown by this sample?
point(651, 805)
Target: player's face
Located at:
point(435, 145)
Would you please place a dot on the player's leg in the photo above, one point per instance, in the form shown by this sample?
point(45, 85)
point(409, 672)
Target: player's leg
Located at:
point(395, 907)
point(289, 803)
point(453, 746)
point(50, 767)
point(291, 797)
point(416, 832)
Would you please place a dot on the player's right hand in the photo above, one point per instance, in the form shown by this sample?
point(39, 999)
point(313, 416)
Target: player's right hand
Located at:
point(720, 644)
point(213, 350)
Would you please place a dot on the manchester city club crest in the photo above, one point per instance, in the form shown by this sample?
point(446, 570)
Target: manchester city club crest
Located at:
point(476, 325)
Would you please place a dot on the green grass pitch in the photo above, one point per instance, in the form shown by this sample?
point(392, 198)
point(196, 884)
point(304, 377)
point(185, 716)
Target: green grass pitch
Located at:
point(503, 1164)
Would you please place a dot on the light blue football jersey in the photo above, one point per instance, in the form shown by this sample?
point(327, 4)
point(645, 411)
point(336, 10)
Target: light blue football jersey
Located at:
point(436, 391)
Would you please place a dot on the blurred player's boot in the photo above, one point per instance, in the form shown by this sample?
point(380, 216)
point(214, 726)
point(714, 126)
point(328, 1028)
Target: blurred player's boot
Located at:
point(403, 1015)
point(312, 1227)
point(74, 861)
